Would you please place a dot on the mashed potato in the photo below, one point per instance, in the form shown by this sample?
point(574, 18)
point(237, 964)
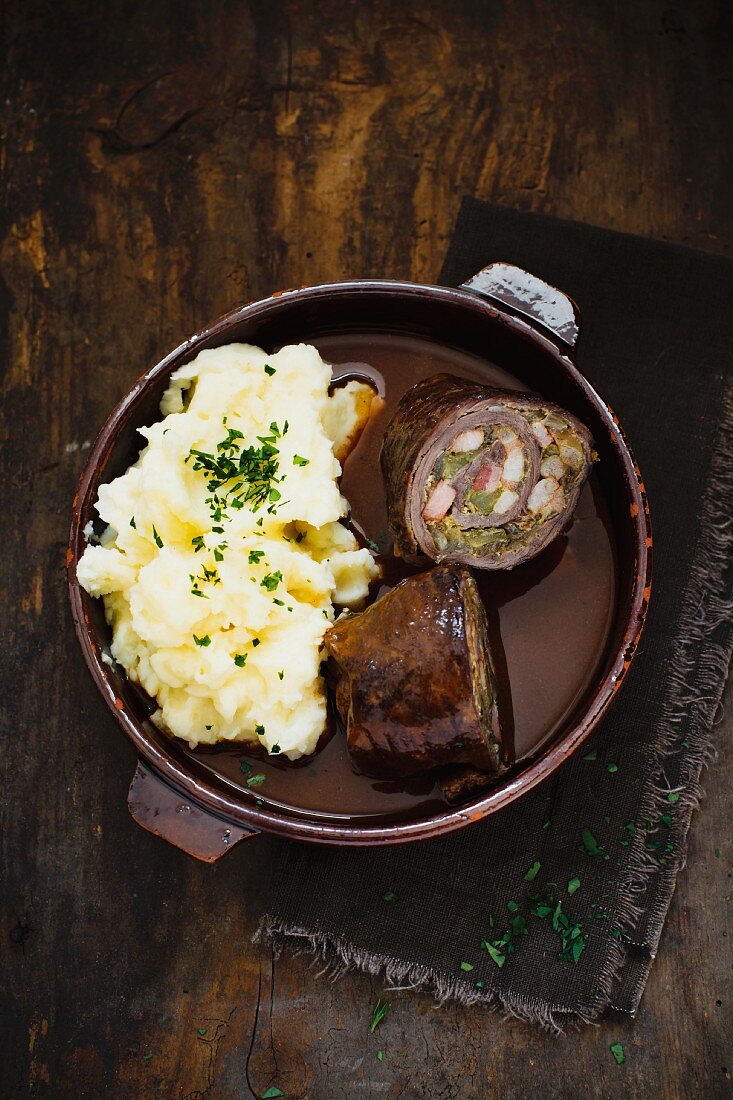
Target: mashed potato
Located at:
point(223, 555)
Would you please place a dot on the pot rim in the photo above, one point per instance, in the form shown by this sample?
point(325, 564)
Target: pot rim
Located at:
point(290, 823)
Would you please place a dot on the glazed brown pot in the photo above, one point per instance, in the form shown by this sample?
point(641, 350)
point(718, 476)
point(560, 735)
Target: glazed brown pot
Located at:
point(503, 313)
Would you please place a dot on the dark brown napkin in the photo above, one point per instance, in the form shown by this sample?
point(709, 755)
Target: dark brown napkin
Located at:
point(656, 339)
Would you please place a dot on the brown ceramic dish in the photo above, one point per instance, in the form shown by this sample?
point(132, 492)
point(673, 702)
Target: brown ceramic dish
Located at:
point(566, 624)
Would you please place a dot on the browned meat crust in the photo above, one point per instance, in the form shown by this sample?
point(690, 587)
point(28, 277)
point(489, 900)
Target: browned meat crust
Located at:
point(417, 688)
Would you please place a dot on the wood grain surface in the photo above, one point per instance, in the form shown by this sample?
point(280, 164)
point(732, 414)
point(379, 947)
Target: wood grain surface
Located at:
point(161, 163)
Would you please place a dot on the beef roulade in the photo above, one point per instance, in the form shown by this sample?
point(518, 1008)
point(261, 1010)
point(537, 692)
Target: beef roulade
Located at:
point(416, 687)
point(479, 475)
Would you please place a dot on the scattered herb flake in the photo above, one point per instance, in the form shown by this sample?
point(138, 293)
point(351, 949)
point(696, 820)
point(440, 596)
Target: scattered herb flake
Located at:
point(280, 674)
point(275, 750)
point(271, 580)
point(132, 523)
point(255, 556)
point(240, 659)
point(716, 853)
point(390, 895)
point(245, 767)
point(272, 1093)
point(612, 768)
point(673, 796)
point(260, 730)
point(298, 460)
point(157, 539)
point(591, 756)
point(532, 872)
point(466, 966)
point(255, 643)
point(201, 1030)
point(256, 780)
point(380, 1011)
point(203, 642)
point(380, 1056)
point(573, 885)
point(269, 370)
point(148, 1056)
point(494, 952)
point(617, 1051)
point(630, 828)
point(590, 845)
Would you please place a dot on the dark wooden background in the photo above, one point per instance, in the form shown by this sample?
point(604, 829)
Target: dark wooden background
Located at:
point(162, 162)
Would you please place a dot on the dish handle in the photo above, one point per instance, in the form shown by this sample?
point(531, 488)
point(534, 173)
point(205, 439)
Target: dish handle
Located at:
point(515, 289)
point(165, 813)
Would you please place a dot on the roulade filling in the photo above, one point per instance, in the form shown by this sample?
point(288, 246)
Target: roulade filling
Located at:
point(505, 473)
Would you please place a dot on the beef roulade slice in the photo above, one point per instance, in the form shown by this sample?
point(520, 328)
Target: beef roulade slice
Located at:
point(478, 475)
point(416, 686)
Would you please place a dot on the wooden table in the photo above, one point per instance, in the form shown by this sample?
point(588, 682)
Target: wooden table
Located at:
point(164, 162)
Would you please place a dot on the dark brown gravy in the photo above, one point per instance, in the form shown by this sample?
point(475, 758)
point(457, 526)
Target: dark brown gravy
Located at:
point(551, 617)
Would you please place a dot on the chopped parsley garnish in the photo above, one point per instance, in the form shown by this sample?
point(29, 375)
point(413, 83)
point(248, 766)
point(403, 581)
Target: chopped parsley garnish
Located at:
point(269, 370)
point(245, 767)
point(300, 536)
point(494, 952)
point(201, 1030)
point(390, 895)
point(299, 461)
point(132, 523)
point(255, 556)
point(256, 780)
point(203, 642)
point(590, 845)
point(208, 727)
point(198, 543)
point(591, 756)
point(275, 750)
point(380, 1056)
point(253, 469)
point(260, 731)
point(271, 580)
point(572, 940)
point(280, 674)
point(532, 872)
point(157, 539)
point(612, 768)
point(380, 1011)
point(197, 592)
point(255, 643)
point(466, 966)
point(617, 1051)
point(573, 885)
point(280, 603)
point(240, 659)
point(218, 555)
point(272, 1093)
point(673, 796)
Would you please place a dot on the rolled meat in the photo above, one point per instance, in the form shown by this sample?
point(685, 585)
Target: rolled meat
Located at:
point(478, 475)
point(416, 685)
